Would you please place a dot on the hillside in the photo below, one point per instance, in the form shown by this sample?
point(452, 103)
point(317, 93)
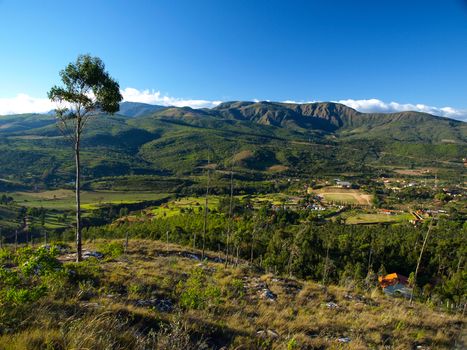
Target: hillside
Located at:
point(135, 109)
point(297, 139)
point(161, 296)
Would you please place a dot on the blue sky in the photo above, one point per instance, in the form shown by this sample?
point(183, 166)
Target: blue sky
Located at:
point(368, 54)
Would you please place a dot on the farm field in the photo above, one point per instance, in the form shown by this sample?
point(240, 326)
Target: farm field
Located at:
point(65, 199)
point(374, 218)
point(342, 195)
point(186, 203)
point(175, 206)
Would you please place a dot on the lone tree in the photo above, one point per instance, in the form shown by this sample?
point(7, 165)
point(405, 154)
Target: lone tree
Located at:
point(87, 91)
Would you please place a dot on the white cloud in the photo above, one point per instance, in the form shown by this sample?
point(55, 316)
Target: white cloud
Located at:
point(156, 98)
point(374, 105)
point(377, 106)
point(23, 103)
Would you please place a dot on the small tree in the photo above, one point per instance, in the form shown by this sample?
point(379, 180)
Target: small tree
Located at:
point(87, 91)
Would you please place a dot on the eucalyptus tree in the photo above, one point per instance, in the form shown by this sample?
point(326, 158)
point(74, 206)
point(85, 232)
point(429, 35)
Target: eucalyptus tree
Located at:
point(87, 90)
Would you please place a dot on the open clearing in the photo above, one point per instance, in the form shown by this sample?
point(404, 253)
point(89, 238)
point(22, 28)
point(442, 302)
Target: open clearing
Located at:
point(277, 168)
point(65, 199)
point(342, 195)
point(415, 172)
point(369, 218)
point(187, 203)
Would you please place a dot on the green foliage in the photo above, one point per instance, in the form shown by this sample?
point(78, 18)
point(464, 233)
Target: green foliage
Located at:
point(280, 243)
point(86, 75)
point(33, 271)
point(41, 261)
point(173, 142)
point(112, 250)
point(5, 255)
point(292, 344)
point(17, 296)
point(235, 289)
point(198, 292)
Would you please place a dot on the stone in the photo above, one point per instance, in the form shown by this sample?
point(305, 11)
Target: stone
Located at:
point(269, 333)
point(343, 340)
point(268, 295)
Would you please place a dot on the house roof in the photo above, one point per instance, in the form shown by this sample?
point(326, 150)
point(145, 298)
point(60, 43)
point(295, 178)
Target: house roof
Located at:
point(392, 279)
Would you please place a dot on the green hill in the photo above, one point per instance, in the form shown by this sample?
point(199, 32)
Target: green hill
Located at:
point(300, 140)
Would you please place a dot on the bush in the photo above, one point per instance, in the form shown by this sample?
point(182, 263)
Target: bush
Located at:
point(112, 250)
point(235, 289)
point(17, 296)
point(197, 292)
point(33, 271)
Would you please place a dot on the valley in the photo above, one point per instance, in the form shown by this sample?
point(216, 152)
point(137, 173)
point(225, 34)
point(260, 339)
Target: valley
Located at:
point(261, 225)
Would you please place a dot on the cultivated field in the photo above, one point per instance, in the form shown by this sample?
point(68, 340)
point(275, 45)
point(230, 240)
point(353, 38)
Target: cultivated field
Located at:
point(342, 195)
point(65, 199)
point(187, 203)
point(374, 218)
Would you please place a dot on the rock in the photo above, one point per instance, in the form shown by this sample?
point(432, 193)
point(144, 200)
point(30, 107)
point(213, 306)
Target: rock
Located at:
point(91, 305)
point(343, 340)
point(146, 302)
point(332, 305)
point(206, 268)
point(269, 333)
point(164, 305)
point(268, 295)
point(192, 256)
point(92, 254)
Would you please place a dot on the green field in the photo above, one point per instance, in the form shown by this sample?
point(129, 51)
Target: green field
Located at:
point(195, 203)
point(342, 195)
point(373, 218)
point(65, 199)
point(60, 205)
point(187, 203)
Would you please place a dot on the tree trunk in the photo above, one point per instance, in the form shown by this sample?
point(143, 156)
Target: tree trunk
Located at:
point(126, 242)
point(227, 252)
point(206, 209)
point(419, 260)
point(78, 196)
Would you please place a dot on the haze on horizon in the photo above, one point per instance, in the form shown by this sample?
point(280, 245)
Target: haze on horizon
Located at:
point(373, 57)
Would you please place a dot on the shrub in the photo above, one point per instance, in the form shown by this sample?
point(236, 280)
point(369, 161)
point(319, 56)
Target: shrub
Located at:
point(112, 250)
point(197, 292)
point(24, 295)
point(234, 288)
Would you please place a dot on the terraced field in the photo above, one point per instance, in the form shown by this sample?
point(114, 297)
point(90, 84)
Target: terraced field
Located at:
point(65, 199)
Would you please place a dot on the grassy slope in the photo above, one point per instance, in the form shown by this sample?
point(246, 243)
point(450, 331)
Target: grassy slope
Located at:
point(65, 199)
point(175, 141)
point(111, 307)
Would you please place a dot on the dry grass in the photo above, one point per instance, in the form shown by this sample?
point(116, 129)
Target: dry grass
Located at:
point(298, 318)
point(242, 156)
point(277, 168)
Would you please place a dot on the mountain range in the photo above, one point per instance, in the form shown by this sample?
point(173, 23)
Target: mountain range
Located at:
point(260, 139)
